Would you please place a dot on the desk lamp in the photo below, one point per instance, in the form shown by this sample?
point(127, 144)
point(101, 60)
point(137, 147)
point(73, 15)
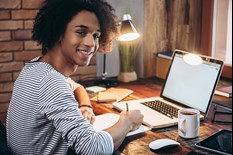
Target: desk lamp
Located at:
point(127, 33)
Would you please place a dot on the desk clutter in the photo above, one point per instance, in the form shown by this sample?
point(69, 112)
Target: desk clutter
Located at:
point(103, 95)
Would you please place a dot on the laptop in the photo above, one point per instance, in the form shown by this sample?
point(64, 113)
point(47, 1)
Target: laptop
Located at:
point(186, 86)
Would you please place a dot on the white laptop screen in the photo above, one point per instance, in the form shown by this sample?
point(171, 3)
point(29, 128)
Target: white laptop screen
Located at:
point(192, 85)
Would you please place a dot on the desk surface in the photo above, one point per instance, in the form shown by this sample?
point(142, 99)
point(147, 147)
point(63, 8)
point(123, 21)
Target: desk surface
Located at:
point(138, 144)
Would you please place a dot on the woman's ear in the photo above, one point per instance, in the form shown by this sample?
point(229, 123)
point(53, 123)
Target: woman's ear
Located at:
point(60, 39)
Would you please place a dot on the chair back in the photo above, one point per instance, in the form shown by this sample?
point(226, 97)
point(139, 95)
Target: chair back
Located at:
point(4, 150)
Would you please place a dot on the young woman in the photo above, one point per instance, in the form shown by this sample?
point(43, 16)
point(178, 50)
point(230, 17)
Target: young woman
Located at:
point(43, 116)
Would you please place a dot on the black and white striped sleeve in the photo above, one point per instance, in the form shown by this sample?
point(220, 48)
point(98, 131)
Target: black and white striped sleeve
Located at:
point(58, 104)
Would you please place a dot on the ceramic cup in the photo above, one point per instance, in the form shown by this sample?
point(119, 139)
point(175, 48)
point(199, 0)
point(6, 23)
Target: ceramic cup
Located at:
point(189, 123)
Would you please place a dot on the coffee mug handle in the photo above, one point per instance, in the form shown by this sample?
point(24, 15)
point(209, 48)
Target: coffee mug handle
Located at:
point(181, 125)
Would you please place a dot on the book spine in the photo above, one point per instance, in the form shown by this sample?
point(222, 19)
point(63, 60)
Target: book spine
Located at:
point(165, 55)
point(222, 93)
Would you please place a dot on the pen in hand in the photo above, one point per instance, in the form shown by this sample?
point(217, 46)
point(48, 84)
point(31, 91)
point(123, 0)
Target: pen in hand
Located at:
point(127, 107)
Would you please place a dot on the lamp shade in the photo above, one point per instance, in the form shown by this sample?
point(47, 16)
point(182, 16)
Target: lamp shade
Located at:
point(127, 30)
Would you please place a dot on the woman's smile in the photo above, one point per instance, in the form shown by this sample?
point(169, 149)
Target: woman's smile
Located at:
point(86, 52)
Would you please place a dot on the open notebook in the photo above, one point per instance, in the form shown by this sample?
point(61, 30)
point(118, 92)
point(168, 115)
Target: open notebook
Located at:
point(186, 86)
point(107, 120)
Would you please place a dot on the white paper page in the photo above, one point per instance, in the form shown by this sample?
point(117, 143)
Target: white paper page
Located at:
point(109, 119)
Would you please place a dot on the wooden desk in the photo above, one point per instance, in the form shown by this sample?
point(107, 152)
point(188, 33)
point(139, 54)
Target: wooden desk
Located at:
point(138, 144)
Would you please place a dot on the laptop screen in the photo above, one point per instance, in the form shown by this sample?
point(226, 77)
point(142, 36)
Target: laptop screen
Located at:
point(192, 85)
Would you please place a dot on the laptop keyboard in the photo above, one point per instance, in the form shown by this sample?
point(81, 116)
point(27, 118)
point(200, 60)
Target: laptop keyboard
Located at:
point(163, 108)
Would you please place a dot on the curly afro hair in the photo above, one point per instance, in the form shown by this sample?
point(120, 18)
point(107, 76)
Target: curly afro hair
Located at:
point(52, 19)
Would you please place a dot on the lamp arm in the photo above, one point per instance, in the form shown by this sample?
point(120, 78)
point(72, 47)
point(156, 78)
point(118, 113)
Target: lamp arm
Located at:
point(104, 74)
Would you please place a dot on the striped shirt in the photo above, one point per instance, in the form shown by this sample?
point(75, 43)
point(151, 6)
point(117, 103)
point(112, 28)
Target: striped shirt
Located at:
point(72, 84)
point(43, 116)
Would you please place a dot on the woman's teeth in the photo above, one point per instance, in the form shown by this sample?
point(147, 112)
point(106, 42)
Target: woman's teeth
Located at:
point(84, 52)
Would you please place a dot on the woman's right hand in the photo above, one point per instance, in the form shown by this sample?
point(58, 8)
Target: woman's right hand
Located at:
point(128, 121)
point(134, 117)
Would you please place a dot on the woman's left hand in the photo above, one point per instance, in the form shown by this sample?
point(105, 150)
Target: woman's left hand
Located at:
point(88, 113)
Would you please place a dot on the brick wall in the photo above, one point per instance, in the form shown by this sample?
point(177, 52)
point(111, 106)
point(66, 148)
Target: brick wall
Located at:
point(16, 46)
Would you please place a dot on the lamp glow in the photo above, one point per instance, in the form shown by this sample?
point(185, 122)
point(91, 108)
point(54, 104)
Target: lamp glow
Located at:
point(129, 36)
point(127, 30)
point(192, 59)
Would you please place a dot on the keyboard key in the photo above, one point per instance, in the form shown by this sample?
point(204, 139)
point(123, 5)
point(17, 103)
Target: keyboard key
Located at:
point(163, 108)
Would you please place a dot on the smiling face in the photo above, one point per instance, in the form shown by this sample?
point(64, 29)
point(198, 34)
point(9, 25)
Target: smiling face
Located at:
point(81, 39)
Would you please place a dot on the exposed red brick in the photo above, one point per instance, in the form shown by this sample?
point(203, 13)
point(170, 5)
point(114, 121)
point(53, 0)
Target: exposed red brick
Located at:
point(6, 87)
point(5, 77)
point(4, 107)
point(22, 34)
point(32, 4)
point(4, 56)
point(31, 45)
point(23, 14)
point(4, 14)
point(26, 55)
point(15, 75)
point(4, 97)
point(10, 4)
point(11, 25)
point(5, 35)
point(11, 66)
point(28, 24)
point(11, 46)
point(3, 117)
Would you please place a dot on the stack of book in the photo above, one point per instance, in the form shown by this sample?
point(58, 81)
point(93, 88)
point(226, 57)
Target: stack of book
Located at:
point(224, 91)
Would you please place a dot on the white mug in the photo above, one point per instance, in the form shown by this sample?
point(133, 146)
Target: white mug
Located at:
point(189, 123)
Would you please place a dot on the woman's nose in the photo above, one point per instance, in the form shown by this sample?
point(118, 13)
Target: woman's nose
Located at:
point(89, 40)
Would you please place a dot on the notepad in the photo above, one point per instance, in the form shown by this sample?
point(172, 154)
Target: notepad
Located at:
point(112, 95)
point(95, 89)
point(107, 120)
point(107, 97)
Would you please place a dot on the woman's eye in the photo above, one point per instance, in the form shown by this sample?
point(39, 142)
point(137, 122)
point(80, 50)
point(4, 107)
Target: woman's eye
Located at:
point(81, 33)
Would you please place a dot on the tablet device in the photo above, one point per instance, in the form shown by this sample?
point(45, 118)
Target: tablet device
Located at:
point(220, 142)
